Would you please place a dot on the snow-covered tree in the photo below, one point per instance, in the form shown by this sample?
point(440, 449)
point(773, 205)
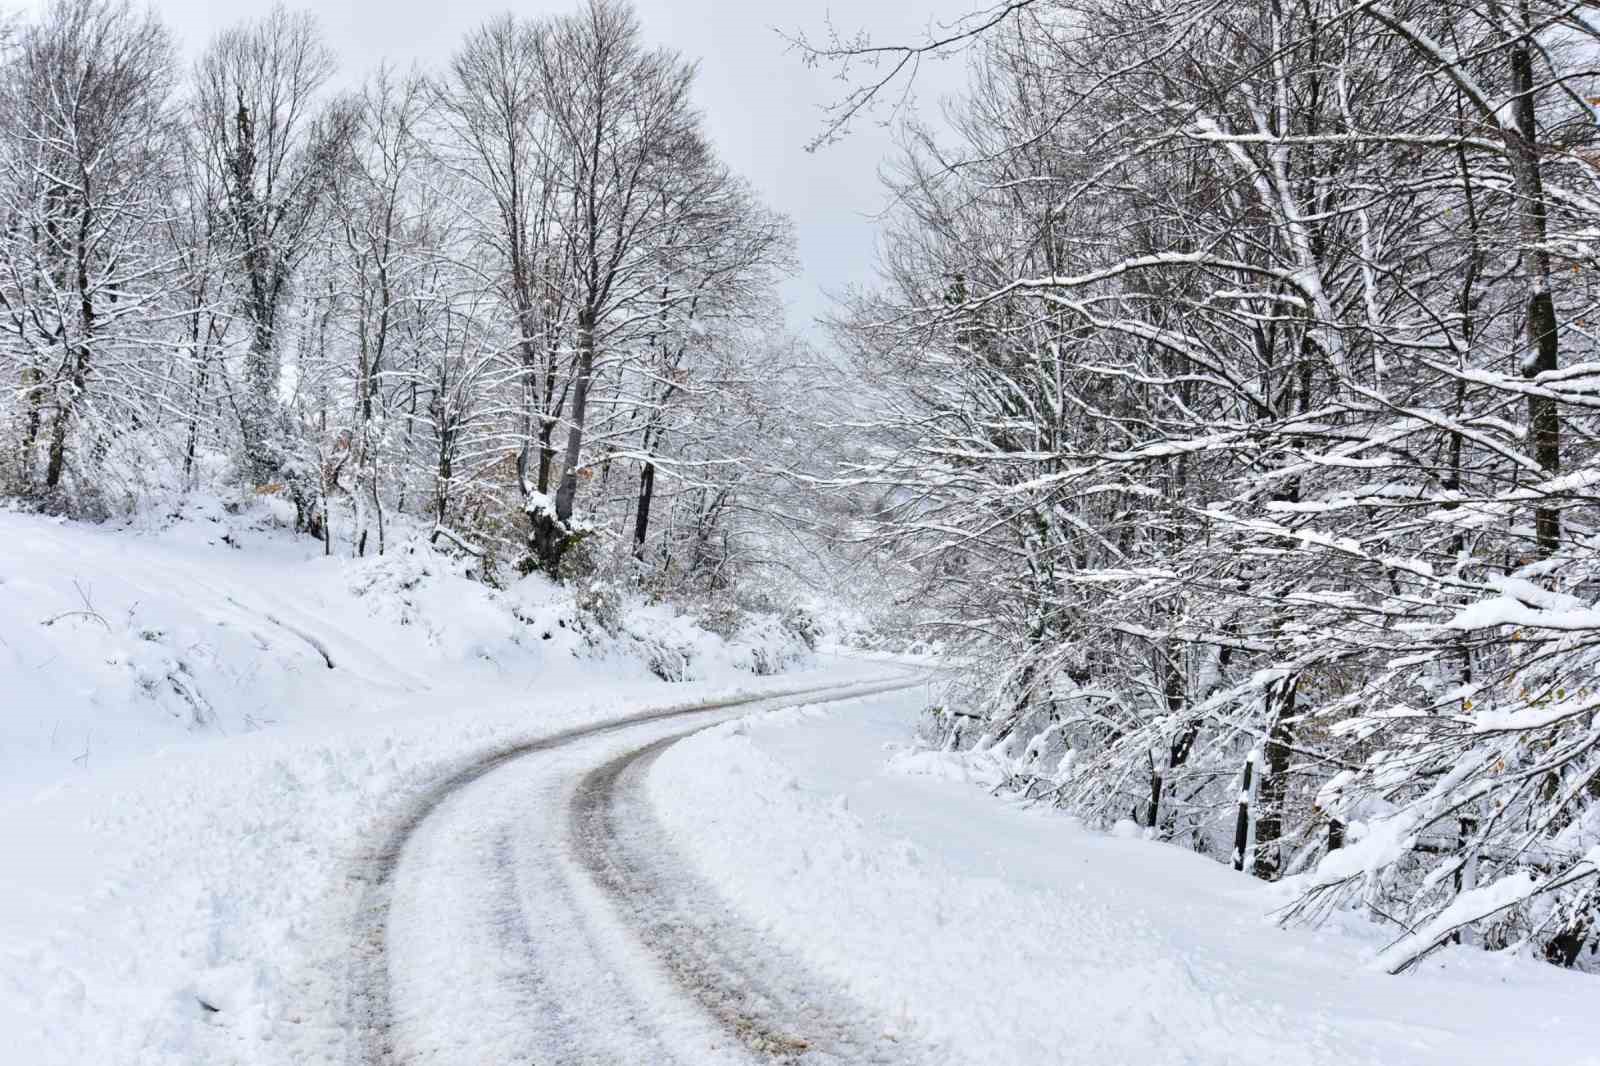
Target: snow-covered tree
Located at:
point(88, 139)
point(1234, 386)
point(274, 148)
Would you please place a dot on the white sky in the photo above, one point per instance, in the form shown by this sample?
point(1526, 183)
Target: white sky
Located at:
point(762, 104)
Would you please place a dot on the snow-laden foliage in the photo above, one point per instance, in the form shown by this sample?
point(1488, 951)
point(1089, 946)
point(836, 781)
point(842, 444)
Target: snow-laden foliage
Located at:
point(1234, 387)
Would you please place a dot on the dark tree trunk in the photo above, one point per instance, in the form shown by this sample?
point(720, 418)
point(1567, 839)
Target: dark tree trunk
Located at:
point(58, 441)
point(33, 391)
point(1274, 787)
point(547, 453)
point(1241, 827)
point(256, 414)
point(67, 407)
point(192, 440)
point(1544, 420)
point(443, 476)
point(1178, 754)
point(552, 529)
point(641, 517)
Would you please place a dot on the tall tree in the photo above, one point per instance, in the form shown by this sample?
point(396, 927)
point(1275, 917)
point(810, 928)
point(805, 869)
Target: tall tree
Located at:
point(503, 144)
point(88, 143)
point(274, 147)
point(621, 115)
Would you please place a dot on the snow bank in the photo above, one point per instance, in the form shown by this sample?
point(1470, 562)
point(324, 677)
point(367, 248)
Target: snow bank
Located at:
point(116, 642)
point(1004, 935)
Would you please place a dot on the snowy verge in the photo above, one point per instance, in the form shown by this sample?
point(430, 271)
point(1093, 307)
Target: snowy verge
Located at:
point(196, 906)
point(1005, 935)
point(118, 642)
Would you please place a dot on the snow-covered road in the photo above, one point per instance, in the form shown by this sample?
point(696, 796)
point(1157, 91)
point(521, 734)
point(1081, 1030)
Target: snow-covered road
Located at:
point(525, 910)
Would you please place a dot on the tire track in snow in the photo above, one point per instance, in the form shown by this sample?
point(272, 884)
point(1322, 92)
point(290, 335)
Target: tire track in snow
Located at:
point(374, 1038)
point(778, 1011)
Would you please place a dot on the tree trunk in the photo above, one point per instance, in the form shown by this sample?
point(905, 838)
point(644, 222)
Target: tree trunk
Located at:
point(551, 525)
point(1274, 786)
point(641, 518)
point(1241, 827)
point(547, 453)
point(67, 407)
point(1544, 419)
point(192, 439)
point(443, 474)
point(58, 441)
point(1178, 754)
point(33, 393)
point(256, 414)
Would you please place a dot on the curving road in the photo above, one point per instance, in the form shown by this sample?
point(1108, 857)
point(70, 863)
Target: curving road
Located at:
point(527, 909)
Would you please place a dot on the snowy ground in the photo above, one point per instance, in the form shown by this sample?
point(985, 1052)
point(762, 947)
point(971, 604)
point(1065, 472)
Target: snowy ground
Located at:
point(116, 642)
point(187, 787)
point(228, 874)
point(191, 799)
point(1000, 935)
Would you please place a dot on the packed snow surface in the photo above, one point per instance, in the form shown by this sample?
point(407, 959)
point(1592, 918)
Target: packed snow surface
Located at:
point(1012, 936)
point(134, 900)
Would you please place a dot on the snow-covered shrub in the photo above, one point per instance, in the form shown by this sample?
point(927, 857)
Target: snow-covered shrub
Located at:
point(396, 584)
point(773, 642)
point(804, 621)
point(602, 599)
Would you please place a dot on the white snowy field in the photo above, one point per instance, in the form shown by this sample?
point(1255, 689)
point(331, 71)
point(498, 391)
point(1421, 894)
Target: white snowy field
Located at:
point(1013, 937)
point(187, 787)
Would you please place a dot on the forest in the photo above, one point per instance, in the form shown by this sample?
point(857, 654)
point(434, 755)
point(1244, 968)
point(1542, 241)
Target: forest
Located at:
point(1236, 384)
point(1226, 405)
point(501, 297)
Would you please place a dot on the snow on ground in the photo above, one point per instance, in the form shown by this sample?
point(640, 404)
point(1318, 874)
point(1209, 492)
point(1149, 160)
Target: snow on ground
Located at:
point(187, 787)
point(188, 791)
point(223, 875)
point(115, 642)
point(1013, 936)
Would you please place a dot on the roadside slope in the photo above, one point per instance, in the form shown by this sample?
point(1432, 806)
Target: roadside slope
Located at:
point(116, 642)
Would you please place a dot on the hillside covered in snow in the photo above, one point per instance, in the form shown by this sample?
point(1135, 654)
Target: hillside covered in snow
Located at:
point(216, 621)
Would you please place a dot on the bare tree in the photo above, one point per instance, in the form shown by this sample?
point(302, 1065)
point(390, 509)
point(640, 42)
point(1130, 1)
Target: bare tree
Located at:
point(274, 149)
point(503, 144)
point(621, 115)
point(387, 239)
point(1215, 370)
point(88, 136)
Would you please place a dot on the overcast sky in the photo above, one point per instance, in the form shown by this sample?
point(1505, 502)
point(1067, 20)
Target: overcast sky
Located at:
point(761, 102)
